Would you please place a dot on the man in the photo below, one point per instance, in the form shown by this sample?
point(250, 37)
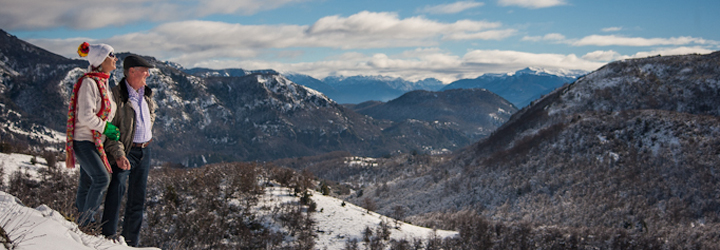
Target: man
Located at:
point(130, 156)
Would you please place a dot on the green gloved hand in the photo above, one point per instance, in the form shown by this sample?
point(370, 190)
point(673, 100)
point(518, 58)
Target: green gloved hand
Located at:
point(112, 132)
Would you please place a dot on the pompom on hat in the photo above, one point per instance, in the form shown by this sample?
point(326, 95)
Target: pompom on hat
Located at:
point(95, 53)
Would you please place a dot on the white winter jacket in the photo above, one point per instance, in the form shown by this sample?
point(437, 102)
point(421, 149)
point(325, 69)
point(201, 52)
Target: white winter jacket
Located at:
point(88, 105)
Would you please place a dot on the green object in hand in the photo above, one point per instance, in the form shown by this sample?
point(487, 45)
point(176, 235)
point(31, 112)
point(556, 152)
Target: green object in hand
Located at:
point(112, 132)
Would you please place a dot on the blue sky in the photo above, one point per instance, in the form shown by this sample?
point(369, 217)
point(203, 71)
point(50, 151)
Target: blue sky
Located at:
point(418, 39)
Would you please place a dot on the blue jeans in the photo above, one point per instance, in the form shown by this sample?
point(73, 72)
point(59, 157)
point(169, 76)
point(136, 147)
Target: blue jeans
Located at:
point(136, 179)
point(93, 183)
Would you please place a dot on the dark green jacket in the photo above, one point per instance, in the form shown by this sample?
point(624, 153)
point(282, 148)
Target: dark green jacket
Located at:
point(125, 121)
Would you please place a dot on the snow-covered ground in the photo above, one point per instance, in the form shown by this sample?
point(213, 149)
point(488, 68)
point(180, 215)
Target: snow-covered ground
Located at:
point(336, 224)
point(45, 228)
point(19, 162)
point(41, 227)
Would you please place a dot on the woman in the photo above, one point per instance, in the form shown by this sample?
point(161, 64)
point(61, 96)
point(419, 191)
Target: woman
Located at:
point(90, 110)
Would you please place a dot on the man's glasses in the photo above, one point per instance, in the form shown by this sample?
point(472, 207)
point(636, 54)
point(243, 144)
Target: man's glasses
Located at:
point(111, 55)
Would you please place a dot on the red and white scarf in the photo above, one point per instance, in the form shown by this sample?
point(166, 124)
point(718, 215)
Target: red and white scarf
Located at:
point(105, 109)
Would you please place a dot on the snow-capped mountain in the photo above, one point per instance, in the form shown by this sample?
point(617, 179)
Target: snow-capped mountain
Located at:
point(357, 89)
point(520, 87)
point(572, 73)
point(204, 72)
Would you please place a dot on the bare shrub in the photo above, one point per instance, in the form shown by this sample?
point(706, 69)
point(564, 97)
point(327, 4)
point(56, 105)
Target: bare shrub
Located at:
point(369, 204)
point(198, 209)
point(383, 230)
point(475, 232)
point(398, 214)
point(212, 208)
point(2, 176)
point(402, 244)
point(50, 159)
point(351, 244)
point(5, 239)
point(54, 188)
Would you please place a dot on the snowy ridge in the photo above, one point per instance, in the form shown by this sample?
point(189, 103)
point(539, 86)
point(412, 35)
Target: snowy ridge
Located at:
point(297, 94)
point(68, 82)
point(684, 81)
point(548, 71)
point(8, 70)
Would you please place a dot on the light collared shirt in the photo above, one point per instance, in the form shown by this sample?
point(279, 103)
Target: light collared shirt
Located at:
point(143, 127)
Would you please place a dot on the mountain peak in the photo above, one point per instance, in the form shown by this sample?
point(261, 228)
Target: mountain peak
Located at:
point(550, 72)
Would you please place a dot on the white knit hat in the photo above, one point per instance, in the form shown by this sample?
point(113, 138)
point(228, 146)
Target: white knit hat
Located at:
point(95, 53)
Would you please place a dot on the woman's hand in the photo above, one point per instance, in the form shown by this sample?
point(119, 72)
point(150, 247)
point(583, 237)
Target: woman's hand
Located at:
point(112, 132)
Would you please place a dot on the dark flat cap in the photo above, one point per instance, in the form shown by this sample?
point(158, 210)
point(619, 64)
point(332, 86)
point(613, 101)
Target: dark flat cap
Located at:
point(136, 61)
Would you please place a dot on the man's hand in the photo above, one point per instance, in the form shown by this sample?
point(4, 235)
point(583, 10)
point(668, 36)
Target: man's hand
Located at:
point(123, 163)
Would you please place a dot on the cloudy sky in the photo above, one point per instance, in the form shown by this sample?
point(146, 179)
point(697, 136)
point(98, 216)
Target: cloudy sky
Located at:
point(413, 39)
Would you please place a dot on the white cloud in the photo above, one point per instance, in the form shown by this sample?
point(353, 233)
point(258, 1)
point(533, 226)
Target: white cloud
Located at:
point(415, 64)
point(610, 55)
point(385, 29)
point(612, 29)
point(532, 4)
point(672, 51)
point(190, 42)
point(451, 8)
point(603, 56)
point(421, 63)
point(485, 35)
point(548, 37)
point(613, 40)
point(245, 7)
point(515, 59)
point(89, 14)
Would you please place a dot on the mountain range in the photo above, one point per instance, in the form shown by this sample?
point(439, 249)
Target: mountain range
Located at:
point(466, 109)
point(521, 87)
point(357, 89)
point(207, 116)
point(633, 145)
